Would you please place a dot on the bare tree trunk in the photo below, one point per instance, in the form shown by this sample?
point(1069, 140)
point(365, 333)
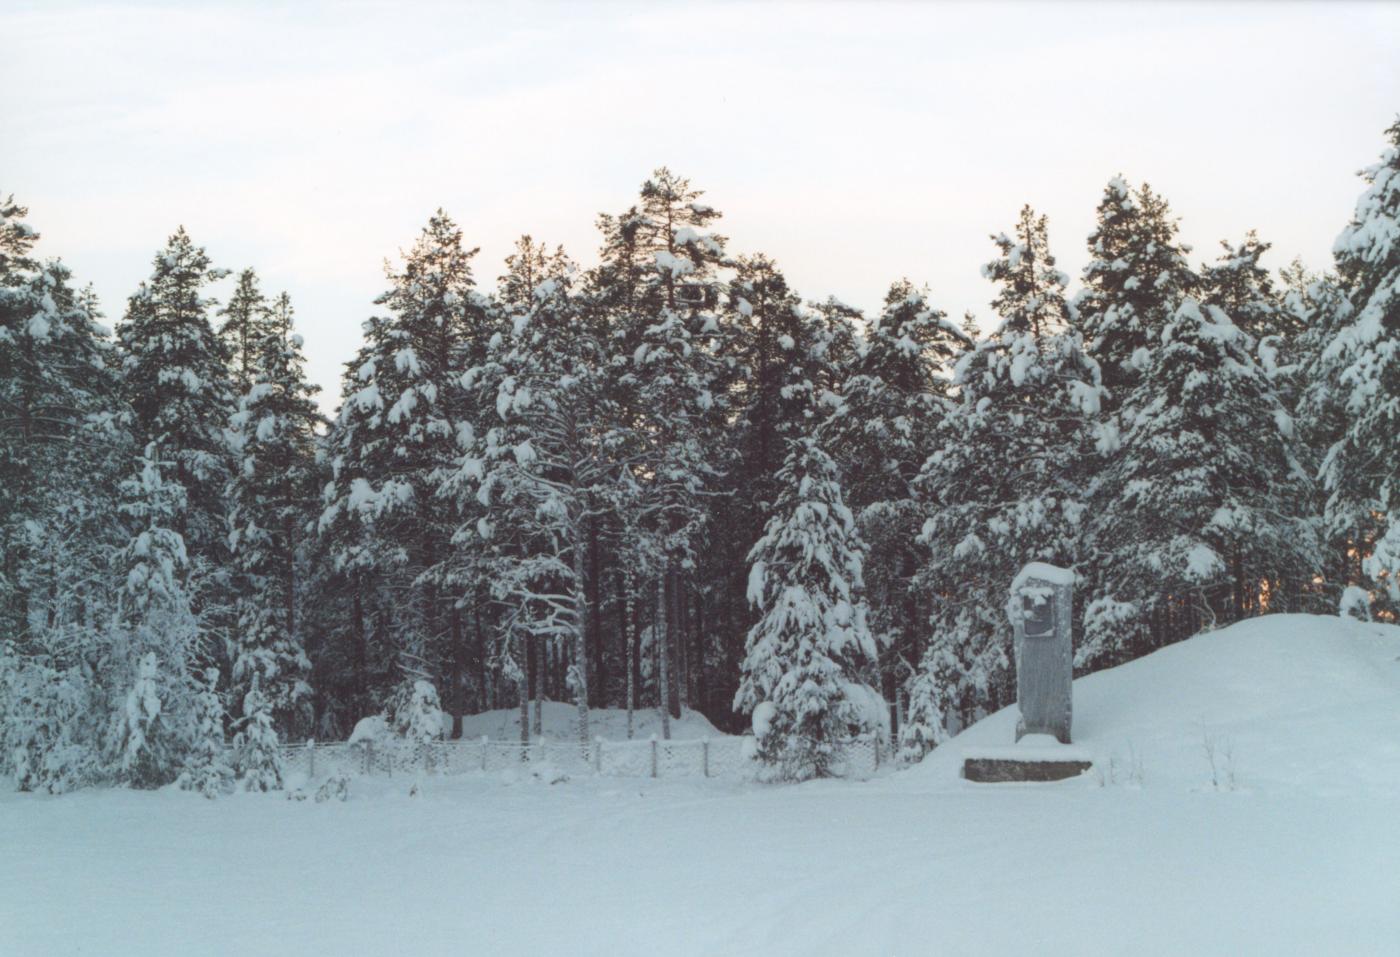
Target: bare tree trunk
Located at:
point(629, 641)
point(598, 680)
point(672, 645)
point(702, 689)
point(660, 637)
point(488, 701)
point(523, 689)
point(534, 661)
point(457, 694)
point(680, 587)
point(581, 637)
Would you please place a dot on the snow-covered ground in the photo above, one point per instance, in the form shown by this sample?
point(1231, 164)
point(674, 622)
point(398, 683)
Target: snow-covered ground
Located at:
point(1294, 850)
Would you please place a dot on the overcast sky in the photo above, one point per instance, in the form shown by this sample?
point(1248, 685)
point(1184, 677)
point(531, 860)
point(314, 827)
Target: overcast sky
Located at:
point(853, 143)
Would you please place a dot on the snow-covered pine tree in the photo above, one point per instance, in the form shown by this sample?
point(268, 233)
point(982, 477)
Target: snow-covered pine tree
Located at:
point(398, 436)
point(175, 378)
point(880, 433)
point(549, 467)
point(1203, 502)
point(1004, 485)
point(356, 660)
point(62, 447)
point(1359, 470)
point(837, 349)
point(658, 286)
point(272, 499)
point(1244, 291)
point(247, 321)
point(1136, 276)
point(810, 656)
point(776, 345)
point(155, 638)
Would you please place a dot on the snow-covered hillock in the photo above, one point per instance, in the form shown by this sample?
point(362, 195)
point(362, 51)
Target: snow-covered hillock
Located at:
point(559, 723)
point(1283, 702)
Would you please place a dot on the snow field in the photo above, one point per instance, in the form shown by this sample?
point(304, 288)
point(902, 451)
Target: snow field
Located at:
point(1296, 857)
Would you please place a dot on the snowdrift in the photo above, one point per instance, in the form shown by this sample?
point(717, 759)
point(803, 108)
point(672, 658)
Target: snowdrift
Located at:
point(1282, 702)
point(559, 722)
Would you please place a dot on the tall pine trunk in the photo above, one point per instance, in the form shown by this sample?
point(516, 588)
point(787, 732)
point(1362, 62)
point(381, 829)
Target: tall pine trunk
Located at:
point(581, 634)
point(663, 660)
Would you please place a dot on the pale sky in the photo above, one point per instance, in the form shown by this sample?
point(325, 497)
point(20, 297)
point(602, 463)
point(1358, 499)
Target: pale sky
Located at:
point(854, 143)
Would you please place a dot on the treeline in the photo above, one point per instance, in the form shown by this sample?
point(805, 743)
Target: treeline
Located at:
point(667, 481)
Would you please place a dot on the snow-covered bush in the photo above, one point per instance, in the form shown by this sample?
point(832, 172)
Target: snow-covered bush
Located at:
point(206, 768)
point(258, 754)
point(1355, 603)
point(417, 715)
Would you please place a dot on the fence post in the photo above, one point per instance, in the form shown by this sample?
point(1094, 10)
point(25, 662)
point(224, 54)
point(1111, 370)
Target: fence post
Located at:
point(877, 752)
point(484, 739)
point(653, 755)
point(705, 757)
point(311, 757)
point(369, 755)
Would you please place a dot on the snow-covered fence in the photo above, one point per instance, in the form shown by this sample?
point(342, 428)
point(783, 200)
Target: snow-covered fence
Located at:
point(724, 757)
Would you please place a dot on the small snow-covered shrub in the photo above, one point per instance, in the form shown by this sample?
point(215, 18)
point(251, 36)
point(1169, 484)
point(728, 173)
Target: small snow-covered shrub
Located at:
point(416, 712)
point(259, 755)
point(206, 768)
point(1355, 603)
point(336, 787)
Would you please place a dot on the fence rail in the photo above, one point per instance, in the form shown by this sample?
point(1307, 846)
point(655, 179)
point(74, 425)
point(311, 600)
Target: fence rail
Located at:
point(725, 757)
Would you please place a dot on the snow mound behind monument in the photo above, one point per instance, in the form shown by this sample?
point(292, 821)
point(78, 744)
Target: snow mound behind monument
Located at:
point(1281, 702)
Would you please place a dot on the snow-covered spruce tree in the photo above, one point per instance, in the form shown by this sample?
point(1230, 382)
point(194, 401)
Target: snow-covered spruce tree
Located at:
point(255, 747)
point(808, 659)
point(1359, 470)
point(397, 436)
point(547, 468)
point(1004, 485)
point(658, 285)
point(155, 639)
point(774, 369)
point(1345, 519)
point(206, 766)
point(272, 499)
point(1203, 499)
point(880, 433)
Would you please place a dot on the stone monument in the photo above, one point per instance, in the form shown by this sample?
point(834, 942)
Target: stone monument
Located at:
point(1040, 609)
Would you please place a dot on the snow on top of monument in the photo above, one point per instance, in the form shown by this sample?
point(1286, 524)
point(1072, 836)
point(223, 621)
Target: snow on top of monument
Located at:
point(1053, 574)
point(1295, 703)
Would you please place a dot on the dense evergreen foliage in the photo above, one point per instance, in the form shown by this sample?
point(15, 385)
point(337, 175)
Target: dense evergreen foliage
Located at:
point(666, 481)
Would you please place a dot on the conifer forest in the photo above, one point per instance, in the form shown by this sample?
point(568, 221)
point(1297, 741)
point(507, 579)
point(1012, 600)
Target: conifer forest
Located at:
point(668, 481)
